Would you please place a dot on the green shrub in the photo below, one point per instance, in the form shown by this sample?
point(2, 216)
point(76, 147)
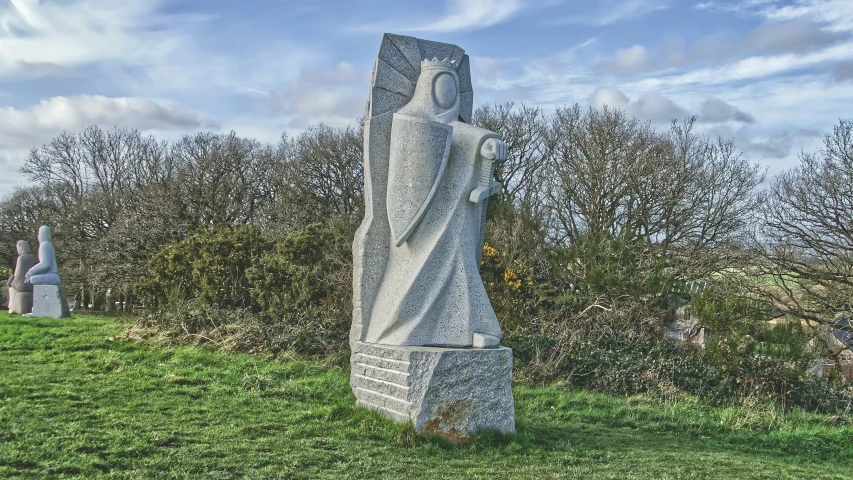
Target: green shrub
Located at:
point(303, 272)
point(632, 364)
point(241, 330)
point(609, 284)
point(731, 322)
point(738, 329)
point(510, 286)
point(304, 288)
point(294, 294)
point(788, 340)
point(209, 266)
point(745, 356)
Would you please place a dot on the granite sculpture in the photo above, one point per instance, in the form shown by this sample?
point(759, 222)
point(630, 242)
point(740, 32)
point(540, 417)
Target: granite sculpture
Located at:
point(49, 298)
point(425, 339)
point(21, 293)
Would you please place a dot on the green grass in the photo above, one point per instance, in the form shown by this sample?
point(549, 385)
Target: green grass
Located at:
point(78, 402)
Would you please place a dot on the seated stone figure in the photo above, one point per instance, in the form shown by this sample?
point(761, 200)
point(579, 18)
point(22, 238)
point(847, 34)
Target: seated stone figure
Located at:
point(20, 293)
point(45, 272)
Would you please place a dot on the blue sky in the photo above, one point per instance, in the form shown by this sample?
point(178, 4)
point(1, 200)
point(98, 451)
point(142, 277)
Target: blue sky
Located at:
point(773, 74)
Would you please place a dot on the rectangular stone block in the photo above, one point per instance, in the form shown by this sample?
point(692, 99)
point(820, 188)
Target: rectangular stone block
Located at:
point(50, 301)
point(22, 303)
point(452, 392)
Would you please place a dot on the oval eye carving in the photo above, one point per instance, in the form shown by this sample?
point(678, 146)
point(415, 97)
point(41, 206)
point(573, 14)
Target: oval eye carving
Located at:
point(444, 90)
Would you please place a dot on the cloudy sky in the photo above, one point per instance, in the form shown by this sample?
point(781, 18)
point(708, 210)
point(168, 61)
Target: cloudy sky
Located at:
point(773, 74)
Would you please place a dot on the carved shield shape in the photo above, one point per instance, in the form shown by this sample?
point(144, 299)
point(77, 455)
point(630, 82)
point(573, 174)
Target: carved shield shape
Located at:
point(418, 159)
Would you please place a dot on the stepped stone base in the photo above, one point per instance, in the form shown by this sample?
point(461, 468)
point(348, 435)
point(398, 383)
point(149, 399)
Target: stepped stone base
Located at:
point(452, 392)
point(49, 301)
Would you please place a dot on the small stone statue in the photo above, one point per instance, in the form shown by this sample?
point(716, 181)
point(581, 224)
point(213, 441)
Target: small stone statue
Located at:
point(45, 272)
point(49, 298)
point(21, 293)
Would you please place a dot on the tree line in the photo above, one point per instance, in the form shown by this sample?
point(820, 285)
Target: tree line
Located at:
point(682, 205)
point(114, 197)
point(604, 227)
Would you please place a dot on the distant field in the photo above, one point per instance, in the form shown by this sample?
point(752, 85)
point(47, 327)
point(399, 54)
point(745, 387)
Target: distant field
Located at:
point(78, 402)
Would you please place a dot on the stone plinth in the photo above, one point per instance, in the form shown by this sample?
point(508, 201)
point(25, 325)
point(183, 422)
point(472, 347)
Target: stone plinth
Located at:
point(22, 303)
point(49, 301)
point(451, 392)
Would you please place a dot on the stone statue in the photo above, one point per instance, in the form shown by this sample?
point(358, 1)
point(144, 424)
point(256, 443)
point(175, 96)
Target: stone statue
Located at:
point(439, 173)
point(21, 293)
point(49, 298)
point(419, 302)
point(45, 272)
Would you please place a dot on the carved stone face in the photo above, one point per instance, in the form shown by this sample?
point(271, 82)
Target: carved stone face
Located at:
point(444, 90)
point(44, 233)
point(23, 247)
point(436, 94)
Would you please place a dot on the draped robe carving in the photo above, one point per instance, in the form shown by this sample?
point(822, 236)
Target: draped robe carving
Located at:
point(430, 292)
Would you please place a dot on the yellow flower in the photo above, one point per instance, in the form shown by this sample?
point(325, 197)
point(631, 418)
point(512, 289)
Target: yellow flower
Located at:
point(512, 280)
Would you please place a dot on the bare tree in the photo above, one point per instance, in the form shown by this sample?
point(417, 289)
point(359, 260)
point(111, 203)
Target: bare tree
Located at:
point(222, 178)
point(679, 194)
point(598, 157)
point(709, 197)
point(320, 175)
point(21, 214)
point(807, 237)
point(89, 181)
point(530, 145)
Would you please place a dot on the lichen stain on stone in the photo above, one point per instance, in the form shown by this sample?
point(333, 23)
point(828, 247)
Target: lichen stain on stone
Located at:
point(449, 414)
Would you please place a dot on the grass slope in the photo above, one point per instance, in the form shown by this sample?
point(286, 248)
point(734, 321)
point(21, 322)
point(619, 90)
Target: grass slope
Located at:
point(76, 402)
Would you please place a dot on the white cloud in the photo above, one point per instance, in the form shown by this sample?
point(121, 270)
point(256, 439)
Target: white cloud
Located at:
point(606, 12)
point(736, 6)
point(133, 47)
point(649, 106)
point(776, 148)
point(472, 15)
point(609, 97)
point(335, 97)
point(82, 32)
point(662, 109)
point(837, 13)
point(715, 110)
point(795, 35)
point(31, 127)
point(460, 15)
point(628, 60)
point(783, 45)
point(657, 108)
point(843, 71)
point(755, 67)
point(485, 70)
point(10, 162)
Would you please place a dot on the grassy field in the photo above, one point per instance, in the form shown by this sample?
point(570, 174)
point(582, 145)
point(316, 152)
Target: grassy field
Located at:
point(76, 401)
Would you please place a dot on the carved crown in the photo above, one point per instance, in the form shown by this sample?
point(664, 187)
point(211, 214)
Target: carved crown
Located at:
point(436, 64)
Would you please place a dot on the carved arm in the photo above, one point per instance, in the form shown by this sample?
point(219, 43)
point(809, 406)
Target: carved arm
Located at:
point(493, 150)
